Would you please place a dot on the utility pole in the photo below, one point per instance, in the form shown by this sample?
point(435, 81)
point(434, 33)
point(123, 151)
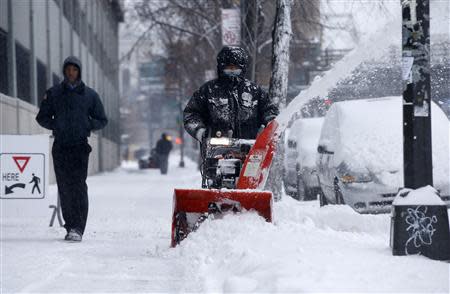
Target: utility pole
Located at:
point(417, 148)
point(406, 213)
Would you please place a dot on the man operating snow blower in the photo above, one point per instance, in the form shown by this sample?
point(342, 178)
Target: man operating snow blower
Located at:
point(230, 106)
point(226, 115)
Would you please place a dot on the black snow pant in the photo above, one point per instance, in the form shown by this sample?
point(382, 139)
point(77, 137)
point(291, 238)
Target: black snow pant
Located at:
point(163, 163)
point(71, 169)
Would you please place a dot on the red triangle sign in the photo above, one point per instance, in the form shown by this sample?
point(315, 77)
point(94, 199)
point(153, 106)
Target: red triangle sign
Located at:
point(21, 162)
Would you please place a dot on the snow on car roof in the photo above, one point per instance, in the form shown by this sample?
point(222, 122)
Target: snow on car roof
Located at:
point(370, 137)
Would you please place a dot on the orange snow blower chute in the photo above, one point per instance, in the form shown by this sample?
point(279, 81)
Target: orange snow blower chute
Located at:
point(234, 172)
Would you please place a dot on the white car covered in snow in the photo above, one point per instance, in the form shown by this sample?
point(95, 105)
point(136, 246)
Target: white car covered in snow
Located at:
point(360, 153)
point(301, 179)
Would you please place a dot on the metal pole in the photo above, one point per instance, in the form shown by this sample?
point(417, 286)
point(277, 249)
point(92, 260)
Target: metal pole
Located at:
point(49, 49)
point(255, 38)
point(12, 72)
point(72, 27)
point(181, 133)
point(417, 148)
point(61, 49)
point(33, 75)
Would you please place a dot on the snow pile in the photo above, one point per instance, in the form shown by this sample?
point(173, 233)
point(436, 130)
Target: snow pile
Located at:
point(306, 249)
point(307, 133)
point(422, 196)
point(126, 246)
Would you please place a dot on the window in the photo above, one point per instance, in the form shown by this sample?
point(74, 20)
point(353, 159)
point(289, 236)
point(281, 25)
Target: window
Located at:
point(76, 16)
point(23, 73)
point(83, 30)
point(41, 80)
point(4, 62)
point(67, 10)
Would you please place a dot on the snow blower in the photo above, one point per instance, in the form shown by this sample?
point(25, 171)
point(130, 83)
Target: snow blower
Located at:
point(234, 172)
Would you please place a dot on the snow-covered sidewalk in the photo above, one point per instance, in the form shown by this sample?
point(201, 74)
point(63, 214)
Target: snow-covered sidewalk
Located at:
point(126, 246)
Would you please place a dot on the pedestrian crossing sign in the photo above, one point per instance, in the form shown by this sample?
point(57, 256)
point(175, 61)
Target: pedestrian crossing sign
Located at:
point(23, 175)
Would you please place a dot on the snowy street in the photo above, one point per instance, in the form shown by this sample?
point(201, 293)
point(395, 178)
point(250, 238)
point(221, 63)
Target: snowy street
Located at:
point(126, 246)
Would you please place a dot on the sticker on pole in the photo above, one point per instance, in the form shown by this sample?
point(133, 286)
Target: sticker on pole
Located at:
point(23, 175)
point(407, 64)
point(231, 27)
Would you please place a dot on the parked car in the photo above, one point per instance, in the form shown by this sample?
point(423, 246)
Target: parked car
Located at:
point(149, 160)
point(360, 153)
point(301, 181)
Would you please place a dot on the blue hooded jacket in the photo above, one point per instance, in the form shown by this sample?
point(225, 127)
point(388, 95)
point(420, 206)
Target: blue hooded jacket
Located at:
point(71, 112)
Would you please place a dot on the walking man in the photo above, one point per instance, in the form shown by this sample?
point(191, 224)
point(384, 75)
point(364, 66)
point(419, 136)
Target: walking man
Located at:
point(36, 182)
point(163, 148)
point(72, 110)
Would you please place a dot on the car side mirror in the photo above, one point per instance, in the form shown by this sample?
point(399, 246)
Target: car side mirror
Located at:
point(322, 149)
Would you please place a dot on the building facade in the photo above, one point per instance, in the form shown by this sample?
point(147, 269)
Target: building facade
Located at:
point(35, 37)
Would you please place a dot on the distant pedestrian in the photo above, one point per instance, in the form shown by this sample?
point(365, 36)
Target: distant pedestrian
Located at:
point(72, 110)
point(36, 181)
point(163, 148)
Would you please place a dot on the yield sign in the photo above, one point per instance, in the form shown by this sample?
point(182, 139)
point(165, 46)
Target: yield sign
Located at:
point(21, 162)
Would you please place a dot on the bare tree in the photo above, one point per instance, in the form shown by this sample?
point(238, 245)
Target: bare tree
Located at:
point(189, 30)
point(282, 32)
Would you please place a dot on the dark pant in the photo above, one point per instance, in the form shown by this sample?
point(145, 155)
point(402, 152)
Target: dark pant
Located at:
point(163, 163)
point(71, 168)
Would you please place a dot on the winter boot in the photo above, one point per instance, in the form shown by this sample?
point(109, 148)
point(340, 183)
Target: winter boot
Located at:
point(74, 236)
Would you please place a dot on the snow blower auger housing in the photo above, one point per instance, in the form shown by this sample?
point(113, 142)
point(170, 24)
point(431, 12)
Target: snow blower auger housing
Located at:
point(234, 172)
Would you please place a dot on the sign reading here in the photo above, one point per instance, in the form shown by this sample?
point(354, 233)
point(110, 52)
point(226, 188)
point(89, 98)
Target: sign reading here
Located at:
point(24, 166)
point(22, 175)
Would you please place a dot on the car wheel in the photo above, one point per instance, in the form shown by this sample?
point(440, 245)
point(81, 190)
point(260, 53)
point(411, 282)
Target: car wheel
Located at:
point(322, 200)
point(301, 189)
point(338, 195)
point(313, 193)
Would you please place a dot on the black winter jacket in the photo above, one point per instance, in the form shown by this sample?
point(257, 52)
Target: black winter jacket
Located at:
point(226, 104)
point(71, 113)
point(163, 146)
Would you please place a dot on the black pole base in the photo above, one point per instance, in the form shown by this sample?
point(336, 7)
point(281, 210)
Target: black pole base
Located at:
point(181, 164)
point(420, 229)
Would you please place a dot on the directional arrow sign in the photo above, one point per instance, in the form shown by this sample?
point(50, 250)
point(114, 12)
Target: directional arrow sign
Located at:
point(9, 190)
point(24, 166)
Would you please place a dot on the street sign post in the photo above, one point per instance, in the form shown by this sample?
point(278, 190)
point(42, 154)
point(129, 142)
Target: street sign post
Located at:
point(24, 166)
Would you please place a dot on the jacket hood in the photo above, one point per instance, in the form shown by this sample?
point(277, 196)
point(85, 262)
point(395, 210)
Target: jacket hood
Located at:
point(74, 61)
point(232, 55)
